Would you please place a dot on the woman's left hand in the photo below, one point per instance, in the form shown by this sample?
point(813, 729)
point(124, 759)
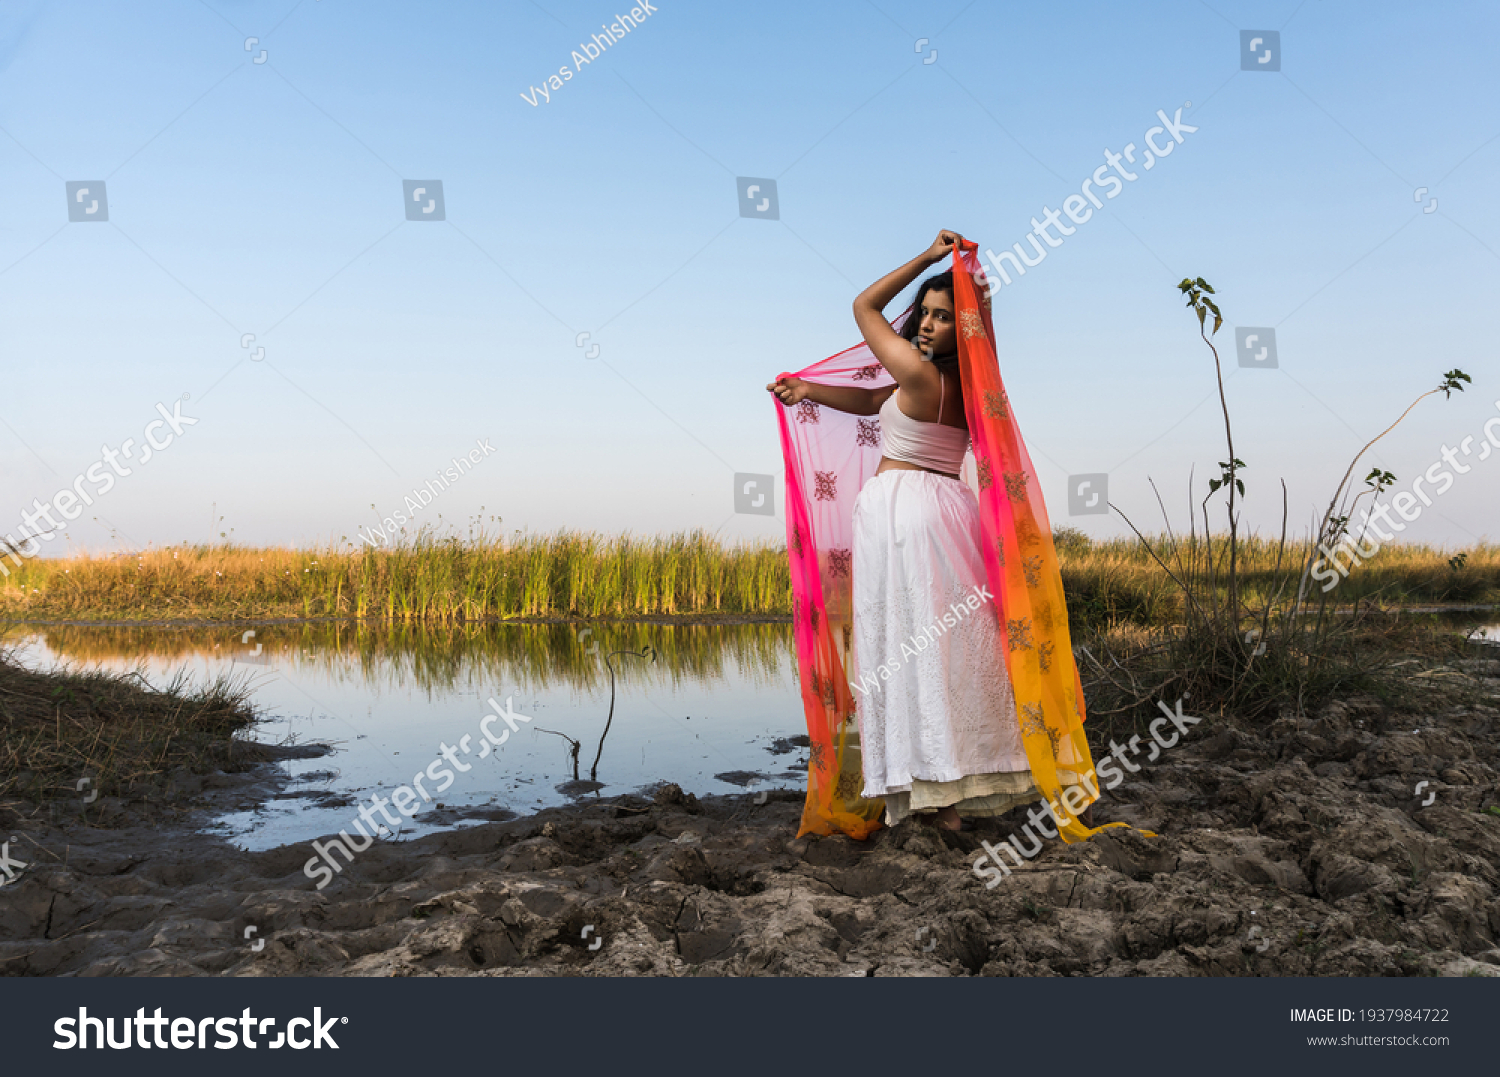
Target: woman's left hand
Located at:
point(943, 246)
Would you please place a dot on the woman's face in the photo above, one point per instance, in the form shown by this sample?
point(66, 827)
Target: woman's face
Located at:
point(935, 330)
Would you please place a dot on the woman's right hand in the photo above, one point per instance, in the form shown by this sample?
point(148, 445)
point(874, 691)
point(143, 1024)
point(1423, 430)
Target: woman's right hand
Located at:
point(789, 390)
point(943, 246)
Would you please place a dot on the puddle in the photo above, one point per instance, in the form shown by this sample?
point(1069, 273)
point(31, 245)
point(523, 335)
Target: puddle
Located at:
point(717, 711)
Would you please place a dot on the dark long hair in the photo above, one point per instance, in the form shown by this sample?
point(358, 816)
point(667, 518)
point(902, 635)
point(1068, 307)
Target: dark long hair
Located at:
point(939, 282)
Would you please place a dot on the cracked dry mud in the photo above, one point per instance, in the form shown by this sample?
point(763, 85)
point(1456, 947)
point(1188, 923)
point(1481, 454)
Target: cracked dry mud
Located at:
point(1295, 848)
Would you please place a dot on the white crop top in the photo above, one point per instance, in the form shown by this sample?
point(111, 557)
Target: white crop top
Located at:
point(912, 441)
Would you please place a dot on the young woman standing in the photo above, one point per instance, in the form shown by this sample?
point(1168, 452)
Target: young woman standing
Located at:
point(939, 736)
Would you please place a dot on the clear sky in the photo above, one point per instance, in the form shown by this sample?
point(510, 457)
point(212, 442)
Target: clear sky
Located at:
point(259, 188)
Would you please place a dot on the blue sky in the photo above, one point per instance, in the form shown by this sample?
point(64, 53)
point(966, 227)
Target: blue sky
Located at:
point(266, 198)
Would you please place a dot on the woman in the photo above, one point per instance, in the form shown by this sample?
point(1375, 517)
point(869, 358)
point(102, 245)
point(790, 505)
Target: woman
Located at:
point(939, 733)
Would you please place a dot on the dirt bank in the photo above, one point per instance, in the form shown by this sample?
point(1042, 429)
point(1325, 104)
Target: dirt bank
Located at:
point(1300, 848)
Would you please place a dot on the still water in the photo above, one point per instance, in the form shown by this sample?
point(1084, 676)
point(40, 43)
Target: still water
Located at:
point(717, 711)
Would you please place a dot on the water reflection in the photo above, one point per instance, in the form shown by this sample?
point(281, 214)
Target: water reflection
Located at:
point(540, 656)
point(718, 711)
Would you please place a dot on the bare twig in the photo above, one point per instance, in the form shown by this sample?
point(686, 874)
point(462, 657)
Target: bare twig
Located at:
point(648, 653)
point(572, 751)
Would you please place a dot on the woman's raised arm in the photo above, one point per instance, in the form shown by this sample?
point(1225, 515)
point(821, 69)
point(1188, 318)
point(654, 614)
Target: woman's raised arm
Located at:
point(897, 355)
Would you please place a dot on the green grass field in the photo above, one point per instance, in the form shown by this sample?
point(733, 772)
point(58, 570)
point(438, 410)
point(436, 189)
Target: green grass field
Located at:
point(574, 574)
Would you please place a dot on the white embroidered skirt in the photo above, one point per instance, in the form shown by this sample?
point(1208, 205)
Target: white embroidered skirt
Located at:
point(933, 699)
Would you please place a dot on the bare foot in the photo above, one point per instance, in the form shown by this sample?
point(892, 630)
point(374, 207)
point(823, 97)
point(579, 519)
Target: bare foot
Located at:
point(947, 818)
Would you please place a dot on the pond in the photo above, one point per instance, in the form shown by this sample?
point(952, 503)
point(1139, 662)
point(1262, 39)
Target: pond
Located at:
point(718, 710)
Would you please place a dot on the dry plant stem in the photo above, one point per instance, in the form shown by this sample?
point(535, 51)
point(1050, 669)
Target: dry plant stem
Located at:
point(1322, 533)
point(1137, 697)
point(646, 653)
point(1210, 564)
point(1233, 470)
point(1273, 599)
point(1146, 543)
point(573, 752)
point(1344, 482)
point(1167, 523)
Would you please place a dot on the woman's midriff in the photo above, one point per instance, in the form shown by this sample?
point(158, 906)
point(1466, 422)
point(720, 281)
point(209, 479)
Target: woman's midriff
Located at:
point(887, 464)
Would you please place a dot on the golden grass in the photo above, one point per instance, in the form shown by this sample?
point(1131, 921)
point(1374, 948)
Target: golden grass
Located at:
point(576, 574)
point(125, 736)
point(426, 579)
point(1116, 580)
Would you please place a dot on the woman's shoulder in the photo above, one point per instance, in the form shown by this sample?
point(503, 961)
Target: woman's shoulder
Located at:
point(928, 379)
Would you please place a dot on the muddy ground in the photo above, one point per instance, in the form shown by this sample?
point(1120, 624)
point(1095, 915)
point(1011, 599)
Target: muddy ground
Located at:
point(1298, 848)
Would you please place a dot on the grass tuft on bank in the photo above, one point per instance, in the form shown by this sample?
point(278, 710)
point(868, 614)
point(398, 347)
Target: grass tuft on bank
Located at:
point(79, 735)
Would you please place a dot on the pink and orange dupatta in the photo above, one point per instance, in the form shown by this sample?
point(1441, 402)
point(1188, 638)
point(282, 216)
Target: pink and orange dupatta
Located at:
point(829, 455)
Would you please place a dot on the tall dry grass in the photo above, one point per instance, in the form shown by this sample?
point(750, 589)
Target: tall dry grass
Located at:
point(573, 574)
point(426, 578)
point(1116, 581)
point(126, 736)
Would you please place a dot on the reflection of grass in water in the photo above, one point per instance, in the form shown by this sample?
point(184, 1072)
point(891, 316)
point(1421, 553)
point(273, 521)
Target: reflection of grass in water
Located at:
point(425, 578)
point(445, 656)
